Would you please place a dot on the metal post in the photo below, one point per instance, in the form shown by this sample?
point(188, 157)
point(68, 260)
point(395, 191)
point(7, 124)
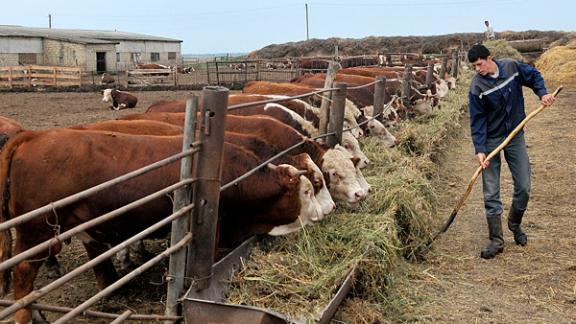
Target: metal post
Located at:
point(307, 34)
point(337, 114)
point(379, 93)
point(444, 66)
point(430, 75)
point(207, 72)
point(406, 81)
point(207, 191)
point(455, 63)
point(217, 73)
point(182, 196)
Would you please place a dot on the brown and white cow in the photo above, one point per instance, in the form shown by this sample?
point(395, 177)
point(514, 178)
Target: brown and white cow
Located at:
point(261, 204)
point(107, 79)
point(119, 99)
point(283, 137)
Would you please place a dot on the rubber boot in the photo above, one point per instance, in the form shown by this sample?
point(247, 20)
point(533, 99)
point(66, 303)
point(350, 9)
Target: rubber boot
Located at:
point(514, 221)
point(496, 245)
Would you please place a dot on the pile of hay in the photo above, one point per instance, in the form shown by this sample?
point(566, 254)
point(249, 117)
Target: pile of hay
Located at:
point(558, 64)
point(298, 274)
point(500, 49)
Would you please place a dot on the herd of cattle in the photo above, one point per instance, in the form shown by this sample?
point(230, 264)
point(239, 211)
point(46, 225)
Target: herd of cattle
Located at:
point(40, 167)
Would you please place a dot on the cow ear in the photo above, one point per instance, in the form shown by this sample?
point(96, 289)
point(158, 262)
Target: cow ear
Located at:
point(355, 160)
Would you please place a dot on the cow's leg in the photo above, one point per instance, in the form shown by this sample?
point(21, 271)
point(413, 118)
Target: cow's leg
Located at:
point(104, 271)
point(53, 268)
point(24, 275)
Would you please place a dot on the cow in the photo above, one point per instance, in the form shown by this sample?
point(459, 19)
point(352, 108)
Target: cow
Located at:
point(107, 79)
point(288, 112)
point(8, 128)
point(120, 99)
point(290, 89)
point(347, 191)
point(136, 127)
point(272, 200)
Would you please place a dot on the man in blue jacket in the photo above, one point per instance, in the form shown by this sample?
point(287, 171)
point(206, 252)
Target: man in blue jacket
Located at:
point(496, 107)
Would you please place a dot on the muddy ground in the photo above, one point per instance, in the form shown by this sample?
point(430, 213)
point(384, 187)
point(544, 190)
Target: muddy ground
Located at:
point(532, 284)
point(38, 110)
point(536, 283)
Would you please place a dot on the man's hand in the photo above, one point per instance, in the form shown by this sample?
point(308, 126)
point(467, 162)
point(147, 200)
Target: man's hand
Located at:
point(481, 157)
point(547, 100)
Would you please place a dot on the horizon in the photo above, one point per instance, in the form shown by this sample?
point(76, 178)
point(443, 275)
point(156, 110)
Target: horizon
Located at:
point(244, 27)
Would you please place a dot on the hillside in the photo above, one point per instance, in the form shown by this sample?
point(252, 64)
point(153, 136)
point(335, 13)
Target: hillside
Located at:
point(375, 44)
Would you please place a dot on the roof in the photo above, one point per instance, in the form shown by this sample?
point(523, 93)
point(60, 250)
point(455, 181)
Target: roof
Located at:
point(82, 36)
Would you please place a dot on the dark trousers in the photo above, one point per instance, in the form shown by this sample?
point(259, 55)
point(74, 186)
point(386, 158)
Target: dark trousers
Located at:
point(517, 157)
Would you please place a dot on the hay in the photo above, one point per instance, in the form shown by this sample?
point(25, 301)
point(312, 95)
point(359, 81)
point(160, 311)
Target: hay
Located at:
point(298, 274)
point(558, 64)
point(501, 49)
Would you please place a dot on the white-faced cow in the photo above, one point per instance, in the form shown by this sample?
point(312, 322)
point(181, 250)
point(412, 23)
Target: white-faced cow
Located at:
point(119, 99)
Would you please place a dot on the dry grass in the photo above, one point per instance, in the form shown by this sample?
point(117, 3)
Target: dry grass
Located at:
point(558, 64)
point(298, 274)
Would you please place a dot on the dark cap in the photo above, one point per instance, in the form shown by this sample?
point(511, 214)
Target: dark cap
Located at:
point(478, 51)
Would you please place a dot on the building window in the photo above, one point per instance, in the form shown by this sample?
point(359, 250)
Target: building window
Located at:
point(154, 57)
point(136, 57)
point(26, 58)
point(171, 55)
point(117, 57)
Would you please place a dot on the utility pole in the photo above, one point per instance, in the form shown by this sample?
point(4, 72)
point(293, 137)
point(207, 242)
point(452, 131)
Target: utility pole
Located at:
point(307, 35)
point(49, 20)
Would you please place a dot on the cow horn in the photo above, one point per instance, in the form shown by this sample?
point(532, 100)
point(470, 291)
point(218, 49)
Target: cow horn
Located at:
point(272, 166)
point(301, 172)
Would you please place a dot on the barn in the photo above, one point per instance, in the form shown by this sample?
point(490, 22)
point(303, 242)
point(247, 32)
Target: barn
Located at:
point(91, 50)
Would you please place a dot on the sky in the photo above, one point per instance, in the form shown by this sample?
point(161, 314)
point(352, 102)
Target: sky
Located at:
point(231, 26)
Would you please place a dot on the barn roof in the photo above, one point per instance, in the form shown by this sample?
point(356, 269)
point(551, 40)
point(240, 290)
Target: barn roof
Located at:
point(79, 35)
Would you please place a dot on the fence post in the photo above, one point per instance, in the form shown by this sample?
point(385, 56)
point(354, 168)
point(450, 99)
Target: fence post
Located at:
point(337, 114)
point(379, 94)
point(217, 73)
point(207, 72)
point(333, 67)
point(207, 191)
point(444, 66)
point(406, 81)
point(182, 196)
point(54, 76)
point(455, 63)
point(430, 75)
point(10, 77)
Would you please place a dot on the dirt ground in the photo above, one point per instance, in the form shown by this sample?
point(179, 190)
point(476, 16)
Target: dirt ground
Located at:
point(532, 284)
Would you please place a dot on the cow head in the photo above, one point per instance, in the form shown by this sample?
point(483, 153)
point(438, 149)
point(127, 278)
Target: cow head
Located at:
point(352, 146)
point(317, 179)
point(300, 188)
point(107, 95)
point(340, 175)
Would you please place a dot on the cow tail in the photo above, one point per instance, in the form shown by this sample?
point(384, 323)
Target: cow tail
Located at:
point(5, 236)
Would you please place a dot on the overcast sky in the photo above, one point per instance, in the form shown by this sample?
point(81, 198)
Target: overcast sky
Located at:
point(232, 26)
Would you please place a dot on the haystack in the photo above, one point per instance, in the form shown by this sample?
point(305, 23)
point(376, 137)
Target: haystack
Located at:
point(558, 64)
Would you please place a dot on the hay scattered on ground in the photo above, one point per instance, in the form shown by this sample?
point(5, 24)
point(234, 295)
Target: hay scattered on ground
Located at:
point(298, 274)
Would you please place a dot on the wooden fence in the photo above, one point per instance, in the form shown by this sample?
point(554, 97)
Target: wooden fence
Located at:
point(146, 77)
point(36, 75)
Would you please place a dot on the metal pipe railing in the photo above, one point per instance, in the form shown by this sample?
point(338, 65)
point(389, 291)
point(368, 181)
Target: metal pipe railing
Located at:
point(85, 193)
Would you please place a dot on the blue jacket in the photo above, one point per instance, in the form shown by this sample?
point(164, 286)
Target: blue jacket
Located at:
point(497, 104)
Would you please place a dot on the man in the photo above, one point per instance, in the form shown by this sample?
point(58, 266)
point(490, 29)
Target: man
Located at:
point(489, 30)
point(496, 107)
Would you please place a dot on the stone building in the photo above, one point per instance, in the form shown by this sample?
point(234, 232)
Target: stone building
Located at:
point(91, 50)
